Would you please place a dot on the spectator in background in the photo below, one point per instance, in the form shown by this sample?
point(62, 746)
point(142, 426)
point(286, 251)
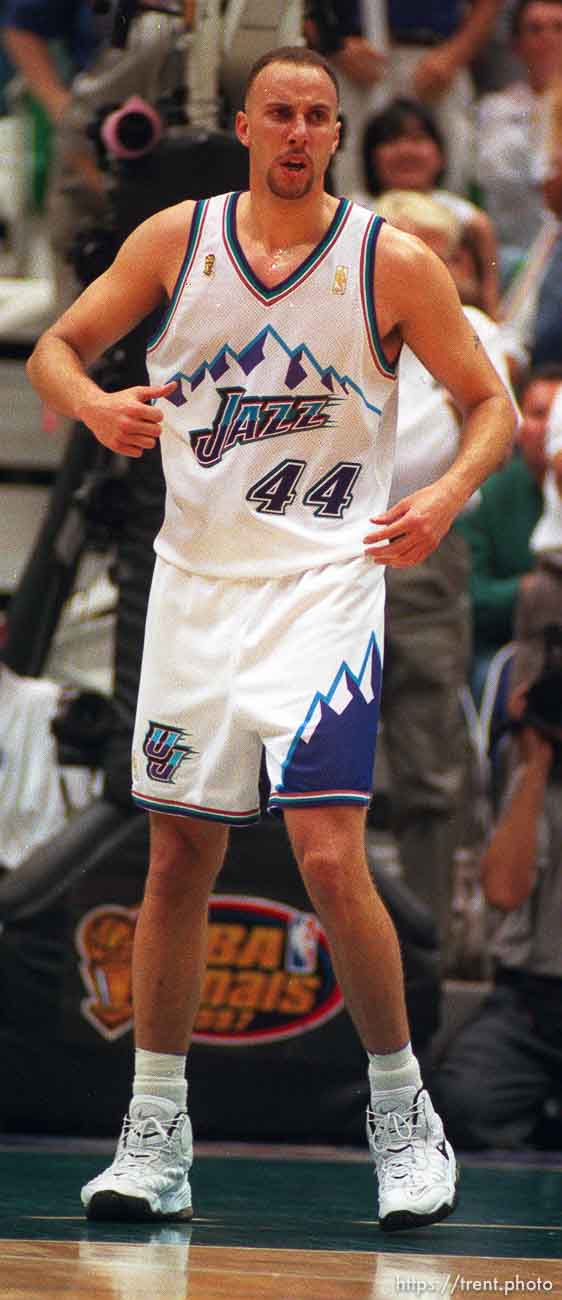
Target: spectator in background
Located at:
point(498, 530)
point(496, 65)
point(514, 1041)
point(540, 600)
point(546, 540)
point(533, 303)
point(403, 149)
point(509, 133)
point(545, 331)
point(427, 626)
point(151, 66)
point(6, 73)
point(427, 52)
point(50, 42)
point(335, 27)
point(431, 50)
point(353, 35)
point(554, 442)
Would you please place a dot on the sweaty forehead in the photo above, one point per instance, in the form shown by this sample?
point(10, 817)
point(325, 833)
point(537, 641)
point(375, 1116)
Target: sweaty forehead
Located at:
point(292, 82)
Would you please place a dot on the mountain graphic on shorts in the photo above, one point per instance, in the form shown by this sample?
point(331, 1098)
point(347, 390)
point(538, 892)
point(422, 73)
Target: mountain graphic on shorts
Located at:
point(334, 749)
point(298, 365)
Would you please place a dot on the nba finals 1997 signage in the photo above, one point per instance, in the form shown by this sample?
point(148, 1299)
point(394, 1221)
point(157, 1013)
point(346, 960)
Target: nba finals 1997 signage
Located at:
point(269, 975)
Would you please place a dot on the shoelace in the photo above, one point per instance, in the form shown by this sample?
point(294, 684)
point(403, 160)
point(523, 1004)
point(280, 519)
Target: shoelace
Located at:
point(395, 1126)
point(136, 1135)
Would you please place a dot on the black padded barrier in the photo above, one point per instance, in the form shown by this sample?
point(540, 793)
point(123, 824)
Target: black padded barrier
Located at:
point(66, 1013)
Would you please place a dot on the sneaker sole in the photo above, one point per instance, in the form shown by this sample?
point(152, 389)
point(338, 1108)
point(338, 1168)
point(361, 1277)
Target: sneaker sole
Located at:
point(112, 1207)
point(404, 1219)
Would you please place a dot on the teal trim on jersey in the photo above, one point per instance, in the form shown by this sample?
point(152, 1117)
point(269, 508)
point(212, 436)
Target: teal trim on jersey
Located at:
point(199, 213)
point(301, 272)
point(180, 810)
point(368, 296)
point(300, 350)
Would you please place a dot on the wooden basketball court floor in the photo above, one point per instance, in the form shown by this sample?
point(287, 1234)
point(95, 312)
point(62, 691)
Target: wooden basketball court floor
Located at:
point(276, 1223)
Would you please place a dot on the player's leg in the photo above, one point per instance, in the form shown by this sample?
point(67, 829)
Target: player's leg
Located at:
point(329, 845)
point(315, 691)
point(149, 1177)
point(415, 1165)
point(170, 947)
point(196, 769)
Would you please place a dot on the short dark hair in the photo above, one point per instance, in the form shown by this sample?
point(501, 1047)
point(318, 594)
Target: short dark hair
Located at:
point(300, 55)
point(390, 124)
point(517, 14)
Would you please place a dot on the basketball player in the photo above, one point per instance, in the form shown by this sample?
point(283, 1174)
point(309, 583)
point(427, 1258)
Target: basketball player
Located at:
point(272, 390)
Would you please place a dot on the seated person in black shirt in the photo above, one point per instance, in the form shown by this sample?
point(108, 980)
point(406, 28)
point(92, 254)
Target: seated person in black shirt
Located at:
point(507, 1062)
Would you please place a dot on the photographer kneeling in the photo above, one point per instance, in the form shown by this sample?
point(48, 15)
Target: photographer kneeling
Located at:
point(496, 1076)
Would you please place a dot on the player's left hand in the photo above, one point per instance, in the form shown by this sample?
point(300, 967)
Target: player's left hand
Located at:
point(411, 529)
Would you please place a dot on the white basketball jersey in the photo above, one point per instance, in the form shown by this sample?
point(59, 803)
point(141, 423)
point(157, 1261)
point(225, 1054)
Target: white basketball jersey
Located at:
point(278, 442)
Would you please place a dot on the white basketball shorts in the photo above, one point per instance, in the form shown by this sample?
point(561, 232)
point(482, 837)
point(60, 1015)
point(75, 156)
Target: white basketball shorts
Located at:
point(288, 668)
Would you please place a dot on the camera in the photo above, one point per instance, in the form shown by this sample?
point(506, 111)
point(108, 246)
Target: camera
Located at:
point(543, 704)
point(543, 708)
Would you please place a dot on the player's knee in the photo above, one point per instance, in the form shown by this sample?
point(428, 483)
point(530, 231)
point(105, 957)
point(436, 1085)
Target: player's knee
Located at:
point(184, 854)
point(324, 870)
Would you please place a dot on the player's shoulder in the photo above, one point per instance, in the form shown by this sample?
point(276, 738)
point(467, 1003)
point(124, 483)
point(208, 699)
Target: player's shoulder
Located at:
point(175, 222)
point(160, 241)
point(403, 257)
point(172, 220)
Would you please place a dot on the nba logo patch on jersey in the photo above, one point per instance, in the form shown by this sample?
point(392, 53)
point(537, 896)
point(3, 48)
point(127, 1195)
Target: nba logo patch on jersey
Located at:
point(302, 943)
point(341, 276)
point(209, 264)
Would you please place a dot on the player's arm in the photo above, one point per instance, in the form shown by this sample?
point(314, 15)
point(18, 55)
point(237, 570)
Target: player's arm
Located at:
point(140, 279)
point(418, 304)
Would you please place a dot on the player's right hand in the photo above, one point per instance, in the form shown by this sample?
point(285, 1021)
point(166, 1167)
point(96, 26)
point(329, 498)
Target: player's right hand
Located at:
point(126, 421)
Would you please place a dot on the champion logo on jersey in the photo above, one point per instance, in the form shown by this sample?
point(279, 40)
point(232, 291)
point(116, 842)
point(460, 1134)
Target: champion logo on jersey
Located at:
point(209, 264)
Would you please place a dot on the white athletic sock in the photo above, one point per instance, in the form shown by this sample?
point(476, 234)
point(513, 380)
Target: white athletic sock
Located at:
point(394, 1070)
point(160, 1074)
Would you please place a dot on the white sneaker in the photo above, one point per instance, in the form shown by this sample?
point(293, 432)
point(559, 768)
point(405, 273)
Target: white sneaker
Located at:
point(149, 1177)
point(414, 1163)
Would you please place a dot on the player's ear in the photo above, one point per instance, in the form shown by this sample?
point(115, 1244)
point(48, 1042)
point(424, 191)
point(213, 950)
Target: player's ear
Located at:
point(337, 137)
point(241, 127)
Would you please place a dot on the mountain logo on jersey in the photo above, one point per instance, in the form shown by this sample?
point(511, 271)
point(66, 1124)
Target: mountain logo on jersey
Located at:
point(164, 751)
point(242, 418)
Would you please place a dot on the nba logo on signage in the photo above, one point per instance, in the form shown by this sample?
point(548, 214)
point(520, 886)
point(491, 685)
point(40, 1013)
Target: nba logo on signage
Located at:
point(302, 943)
